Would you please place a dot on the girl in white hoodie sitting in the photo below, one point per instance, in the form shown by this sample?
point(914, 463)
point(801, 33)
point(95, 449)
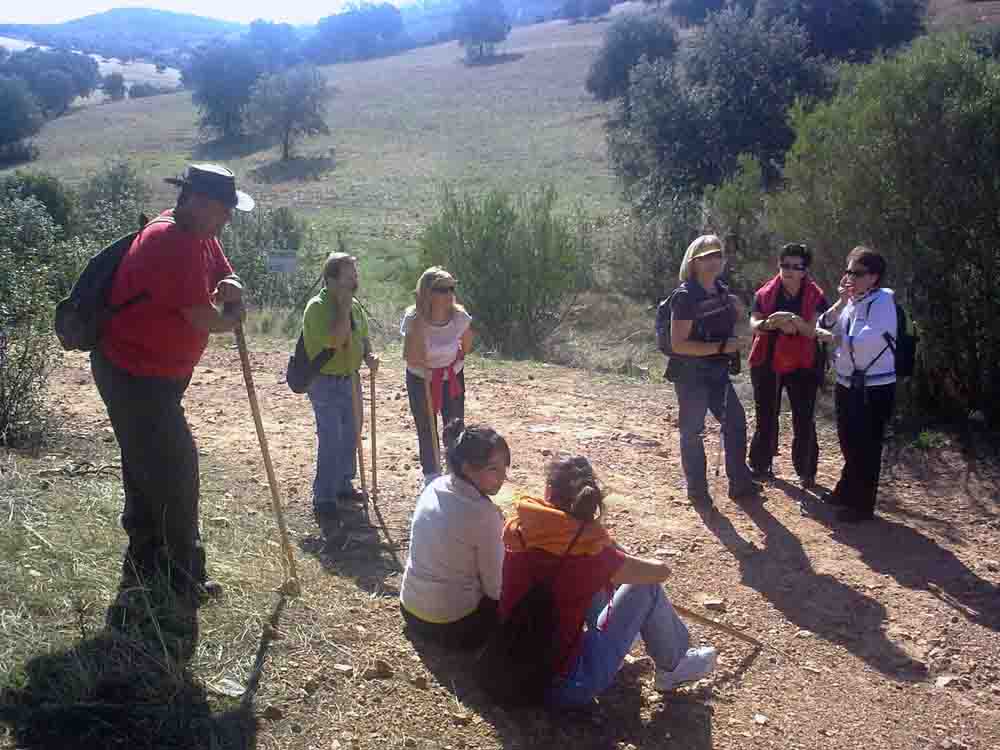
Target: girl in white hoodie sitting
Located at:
point(861, 325)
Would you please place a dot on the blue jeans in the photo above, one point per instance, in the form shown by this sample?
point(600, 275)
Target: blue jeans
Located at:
point(636, 609)
point(336, 456)
point(711, 390)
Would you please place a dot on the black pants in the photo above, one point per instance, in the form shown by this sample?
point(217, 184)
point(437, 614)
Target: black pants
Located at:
point(801, 386)
point(862, 415)
point(466, 634)
point(451, 408)
point(159, 474)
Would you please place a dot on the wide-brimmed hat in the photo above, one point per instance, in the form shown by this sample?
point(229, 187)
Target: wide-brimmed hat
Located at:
point(215, 182)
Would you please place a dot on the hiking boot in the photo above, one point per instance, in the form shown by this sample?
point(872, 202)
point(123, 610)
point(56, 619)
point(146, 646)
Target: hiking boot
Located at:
point(695, 664)
point(807, 483)
point(854, 515)
point(210, 589)
point(762, 475)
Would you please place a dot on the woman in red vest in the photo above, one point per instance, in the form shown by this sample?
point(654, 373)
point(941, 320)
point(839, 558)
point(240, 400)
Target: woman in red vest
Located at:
point(784, 356)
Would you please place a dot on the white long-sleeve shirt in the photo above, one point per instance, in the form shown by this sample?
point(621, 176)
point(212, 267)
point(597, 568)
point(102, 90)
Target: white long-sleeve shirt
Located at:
point(456, 552)
point(862, 324)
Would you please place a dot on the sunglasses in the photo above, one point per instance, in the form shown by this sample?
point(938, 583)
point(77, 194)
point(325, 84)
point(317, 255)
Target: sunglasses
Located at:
point(443, 289)
point(791, 267)
point(856, 274)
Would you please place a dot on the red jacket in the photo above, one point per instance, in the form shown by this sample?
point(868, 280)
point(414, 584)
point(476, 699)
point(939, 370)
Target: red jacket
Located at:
point(791, 352)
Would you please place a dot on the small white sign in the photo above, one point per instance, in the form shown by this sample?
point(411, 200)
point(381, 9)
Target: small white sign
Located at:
point(282, 262)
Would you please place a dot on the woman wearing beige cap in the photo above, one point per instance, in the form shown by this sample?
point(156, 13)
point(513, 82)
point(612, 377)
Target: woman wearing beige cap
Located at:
point(701, 344)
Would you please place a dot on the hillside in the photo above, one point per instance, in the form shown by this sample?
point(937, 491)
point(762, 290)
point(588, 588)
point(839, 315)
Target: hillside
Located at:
point(126, 33)
point(401, 127)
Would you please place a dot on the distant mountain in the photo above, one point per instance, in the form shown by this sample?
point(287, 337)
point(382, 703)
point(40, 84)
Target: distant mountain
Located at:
point(127, 33)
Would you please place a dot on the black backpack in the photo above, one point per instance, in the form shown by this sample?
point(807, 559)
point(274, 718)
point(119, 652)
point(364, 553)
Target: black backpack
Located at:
point(301, 370)
point(903, 346)
point(80, 318)
point(663, 319)
point(518, 663)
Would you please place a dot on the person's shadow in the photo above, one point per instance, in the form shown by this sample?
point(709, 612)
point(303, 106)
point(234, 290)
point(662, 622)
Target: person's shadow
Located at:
point(919, 563)
point(819, 603)
point(615, 718)
point(109, 690)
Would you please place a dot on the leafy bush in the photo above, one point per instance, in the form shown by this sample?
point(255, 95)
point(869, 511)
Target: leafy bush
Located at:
point(110, 203)
point(645, 263)
point(630, 37)
point(736, 210)
point(248, 241)
point(519, 264)
point(59, 200)
point(906, 158)
point(27, 348)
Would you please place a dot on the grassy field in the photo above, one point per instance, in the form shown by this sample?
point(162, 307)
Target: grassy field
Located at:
point(401, 127)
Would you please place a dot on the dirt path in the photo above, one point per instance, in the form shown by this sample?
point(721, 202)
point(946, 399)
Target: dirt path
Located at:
point(889, 631)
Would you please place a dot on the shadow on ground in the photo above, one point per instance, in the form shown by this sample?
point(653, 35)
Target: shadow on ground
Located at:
point(298, 169)
point(225, 149)
point(627, 714)
point(820, 603)
point(485, 62)
point(110, 691)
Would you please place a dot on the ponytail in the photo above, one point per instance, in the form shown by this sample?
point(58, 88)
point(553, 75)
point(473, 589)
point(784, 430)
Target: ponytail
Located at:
point(574, 488)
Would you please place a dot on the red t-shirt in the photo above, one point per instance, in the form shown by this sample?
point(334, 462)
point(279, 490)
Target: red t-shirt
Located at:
point(580, 577)
point(178, 270)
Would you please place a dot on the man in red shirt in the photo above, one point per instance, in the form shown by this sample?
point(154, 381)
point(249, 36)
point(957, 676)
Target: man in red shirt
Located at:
point(180, 288)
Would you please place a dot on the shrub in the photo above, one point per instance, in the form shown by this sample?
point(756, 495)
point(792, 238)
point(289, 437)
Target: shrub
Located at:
point(59, 200)
point(519, 264)
point(27, 347)
point(248, 241)
point(110, 203)
point(645, 263)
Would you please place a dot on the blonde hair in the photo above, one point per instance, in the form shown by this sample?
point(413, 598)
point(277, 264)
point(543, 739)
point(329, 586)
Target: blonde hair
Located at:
point(432, 277)
point(331, 269)
point(705, 242)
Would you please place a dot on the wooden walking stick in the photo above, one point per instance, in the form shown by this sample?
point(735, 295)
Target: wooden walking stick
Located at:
point(432, 417)
point(291, 585)
point(358, 423)
point(685, 612)
point(374, 497)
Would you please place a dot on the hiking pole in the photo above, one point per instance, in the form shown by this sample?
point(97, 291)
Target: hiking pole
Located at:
point(291, 585)
point(374, 497)
point(432, 418)
point(358, 424)
point(722, 428)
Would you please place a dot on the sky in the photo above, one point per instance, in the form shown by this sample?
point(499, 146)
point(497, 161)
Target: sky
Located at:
point(290, 11)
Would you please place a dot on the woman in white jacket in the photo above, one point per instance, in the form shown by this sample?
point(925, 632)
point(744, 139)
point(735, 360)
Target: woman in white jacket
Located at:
point(861, 324)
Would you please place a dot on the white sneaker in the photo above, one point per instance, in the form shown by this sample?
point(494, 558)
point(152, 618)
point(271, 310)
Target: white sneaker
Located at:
point(695, 664)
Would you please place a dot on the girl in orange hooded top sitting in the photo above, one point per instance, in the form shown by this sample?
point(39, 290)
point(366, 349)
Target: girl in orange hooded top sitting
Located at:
point(605, 598)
